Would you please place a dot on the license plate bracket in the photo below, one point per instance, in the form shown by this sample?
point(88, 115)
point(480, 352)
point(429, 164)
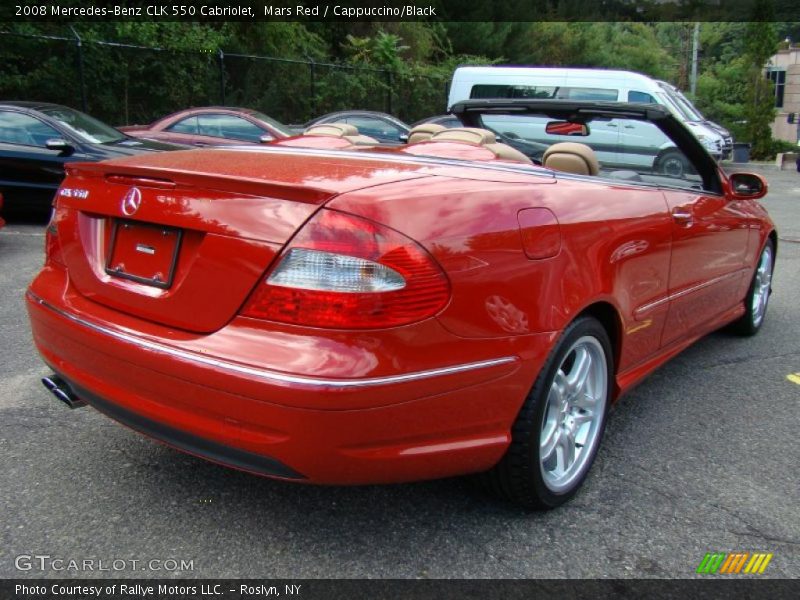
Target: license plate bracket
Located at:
point(143, 252)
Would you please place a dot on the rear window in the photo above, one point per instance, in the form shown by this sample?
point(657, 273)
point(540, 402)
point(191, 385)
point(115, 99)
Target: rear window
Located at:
point(230, 127)
point(185, 126)
point(483, 91)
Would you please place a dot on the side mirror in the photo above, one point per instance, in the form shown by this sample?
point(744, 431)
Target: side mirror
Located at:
point(265, 139)
point(748, 186)
point(61, 145)
point(404, 138)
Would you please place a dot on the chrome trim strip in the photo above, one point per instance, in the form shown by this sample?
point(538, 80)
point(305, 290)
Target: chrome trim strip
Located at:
point(645, 308)
point(266, 374)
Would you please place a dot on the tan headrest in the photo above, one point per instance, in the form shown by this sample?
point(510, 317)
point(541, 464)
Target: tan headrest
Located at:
point(424, 132)
point(361, 140)
point(571, 157)
point(506, 152)
point(470, 135)
point(332, 130)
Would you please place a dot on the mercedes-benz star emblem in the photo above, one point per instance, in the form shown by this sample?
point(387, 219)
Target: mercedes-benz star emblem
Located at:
point(131, 201)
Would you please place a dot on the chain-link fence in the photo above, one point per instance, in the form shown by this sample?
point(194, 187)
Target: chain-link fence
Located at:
point(126, 84)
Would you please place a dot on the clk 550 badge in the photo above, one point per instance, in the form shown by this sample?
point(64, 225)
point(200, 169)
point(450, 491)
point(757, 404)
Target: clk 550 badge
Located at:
point(74, 193)
point(131, 201)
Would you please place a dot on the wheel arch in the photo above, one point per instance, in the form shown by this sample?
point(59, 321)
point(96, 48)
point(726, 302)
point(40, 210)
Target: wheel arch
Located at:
point(773, 235)
point(608, 316)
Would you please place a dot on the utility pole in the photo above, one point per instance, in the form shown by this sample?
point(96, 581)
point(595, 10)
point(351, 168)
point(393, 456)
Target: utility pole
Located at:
point(81, 77)
point(695, 44)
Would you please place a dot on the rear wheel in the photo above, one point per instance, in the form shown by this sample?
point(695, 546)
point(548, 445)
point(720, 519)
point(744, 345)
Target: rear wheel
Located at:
point(757, 299)
point(558, 430)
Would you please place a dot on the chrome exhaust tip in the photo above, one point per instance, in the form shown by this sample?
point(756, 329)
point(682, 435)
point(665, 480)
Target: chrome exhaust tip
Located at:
point(60, 389)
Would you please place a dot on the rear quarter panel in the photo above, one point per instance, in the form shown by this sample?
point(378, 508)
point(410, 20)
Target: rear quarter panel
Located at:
point(615, 248)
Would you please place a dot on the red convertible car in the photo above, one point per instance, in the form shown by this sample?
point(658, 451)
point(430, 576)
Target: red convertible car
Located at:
point(320, 310)
point(213, 126)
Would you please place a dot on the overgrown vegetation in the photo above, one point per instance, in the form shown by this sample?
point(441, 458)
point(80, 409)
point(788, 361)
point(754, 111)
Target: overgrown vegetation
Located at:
point(403, 68)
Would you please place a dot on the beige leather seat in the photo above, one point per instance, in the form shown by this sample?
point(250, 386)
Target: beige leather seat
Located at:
point(424, 132)
point(341, 130)
point(361, 140)
point(506, 152)
point(481, 137)
point(470, 135)
point(332, 130)
point(571, 157)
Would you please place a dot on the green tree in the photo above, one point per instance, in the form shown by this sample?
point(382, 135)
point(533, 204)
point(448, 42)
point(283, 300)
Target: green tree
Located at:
point(759, 111)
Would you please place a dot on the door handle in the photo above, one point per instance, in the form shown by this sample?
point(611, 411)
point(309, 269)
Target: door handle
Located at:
point(682, 217)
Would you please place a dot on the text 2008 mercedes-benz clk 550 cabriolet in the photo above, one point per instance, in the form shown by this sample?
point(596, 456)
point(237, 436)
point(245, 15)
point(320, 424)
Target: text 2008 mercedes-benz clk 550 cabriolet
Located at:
point(323, 310)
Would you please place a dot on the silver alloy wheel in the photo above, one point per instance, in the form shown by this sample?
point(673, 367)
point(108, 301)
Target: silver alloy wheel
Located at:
point(573, 417)
point(761, 286)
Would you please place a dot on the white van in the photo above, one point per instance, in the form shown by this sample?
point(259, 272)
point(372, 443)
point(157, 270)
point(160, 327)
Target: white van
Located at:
point(695, 117)
point(571, 84)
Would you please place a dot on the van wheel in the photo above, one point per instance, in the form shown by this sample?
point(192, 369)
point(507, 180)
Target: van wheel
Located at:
point(672, 163)
point(557, 433)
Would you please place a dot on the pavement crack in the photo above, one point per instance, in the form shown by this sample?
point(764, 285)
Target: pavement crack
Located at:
point(752, 530)
point(747, 359)
point(767, 538)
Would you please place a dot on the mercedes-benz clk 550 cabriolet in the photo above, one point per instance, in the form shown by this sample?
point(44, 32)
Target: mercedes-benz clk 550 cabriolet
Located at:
point(327, 311)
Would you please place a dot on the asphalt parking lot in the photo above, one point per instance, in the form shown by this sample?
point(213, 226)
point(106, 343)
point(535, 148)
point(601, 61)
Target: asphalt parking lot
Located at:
point(702, 457)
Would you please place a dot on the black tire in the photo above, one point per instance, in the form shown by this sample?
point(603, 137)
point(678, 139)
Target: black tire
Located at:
point(751, 321)
point(519, 476)
point(672, 163)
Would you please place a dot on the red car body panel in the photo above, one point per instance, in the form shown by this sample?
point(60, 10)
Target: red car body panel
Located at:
point(524, 251)
point(160, 129)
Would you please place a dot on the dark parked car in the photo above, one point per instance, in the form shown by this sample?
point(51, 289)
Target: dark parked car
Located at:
point(37, 139)
point(384, 128)
point(213, 126)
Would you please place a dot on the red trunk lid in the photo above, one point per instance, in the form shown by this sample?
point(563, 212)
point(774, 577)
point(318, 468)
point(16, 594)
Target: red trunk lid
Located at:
point(181, 238)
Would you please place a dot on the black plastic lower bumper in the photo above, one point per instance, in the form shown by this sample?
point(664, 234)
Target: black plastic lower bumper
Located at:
point(187, 442)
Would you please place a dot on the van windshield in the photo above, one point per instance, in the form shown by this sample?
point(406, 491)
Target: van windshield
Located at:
point(675, 107)
point(689, 107)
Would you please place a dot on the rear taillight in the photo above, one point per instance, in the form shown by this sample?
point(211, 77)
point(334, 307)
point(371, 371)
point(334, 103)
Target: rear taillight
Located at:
point(345, 272)
point(52, 245)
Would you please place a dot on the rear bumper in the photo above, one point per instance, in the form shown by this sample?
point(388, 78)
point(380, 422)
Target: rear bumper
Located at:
point(449, 419)
point(208, 449)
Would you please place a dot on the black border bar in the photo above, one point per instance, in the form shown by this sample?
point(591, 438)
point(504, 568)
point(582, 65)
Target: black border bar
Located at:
point(414, 589)
point(400, 10)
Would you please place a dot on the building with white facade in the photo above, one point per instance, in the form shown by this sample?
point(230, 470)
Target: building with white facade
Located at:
point(784, 71)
